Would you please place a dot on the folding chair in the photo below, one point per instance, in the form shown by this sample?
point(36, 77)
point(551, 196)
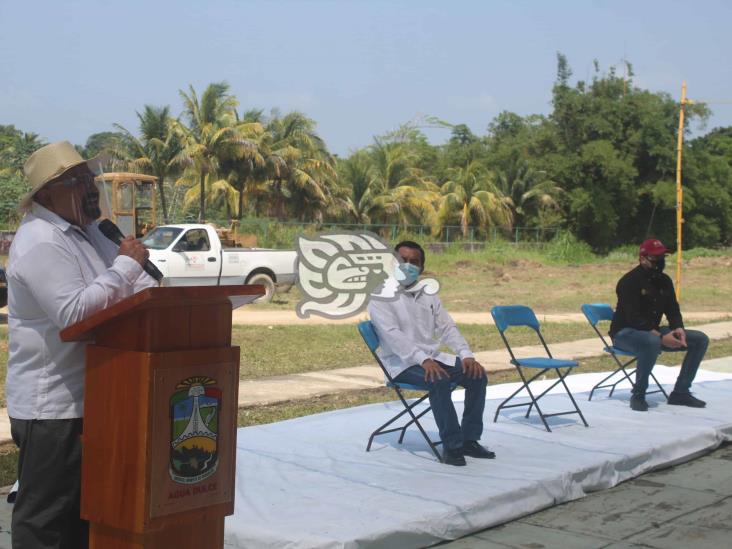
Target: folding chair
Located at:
point(519, 315)
point(599, 312)
point(368, 333)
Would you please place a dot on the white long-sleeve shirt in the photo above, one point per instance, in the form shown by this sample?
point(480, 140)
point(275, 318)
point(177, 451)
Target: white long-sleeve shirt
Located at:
point(412, 328)
point(58, 274)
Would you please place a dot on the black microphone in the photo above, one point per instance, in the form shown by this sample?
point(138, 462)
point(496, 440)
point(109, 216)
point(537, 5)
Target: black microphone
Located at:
point(112, 232)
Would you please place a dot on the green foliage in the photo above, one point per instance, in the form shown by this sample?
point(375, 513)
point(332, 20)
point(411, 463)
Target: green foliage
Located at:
point(15, 148)
point(708, 198)
point(103, 142)
point(471, 199)
point(156, 151)
point(532, 197)
point(628, 252)
point(614, 156)
point(566, 248)
point(272, 234)
point(700, 252)
point(12, 188)
point(601, 165)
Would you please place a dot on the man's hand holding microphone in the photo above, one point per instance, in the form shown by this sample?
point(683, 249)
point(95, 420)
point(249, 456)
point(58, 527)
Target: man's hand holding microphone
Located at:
point(133, 248)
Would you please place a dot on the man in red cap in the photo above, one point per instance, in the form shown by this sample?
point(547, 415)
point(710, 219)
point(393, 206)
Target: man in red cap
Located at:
point(645, 294)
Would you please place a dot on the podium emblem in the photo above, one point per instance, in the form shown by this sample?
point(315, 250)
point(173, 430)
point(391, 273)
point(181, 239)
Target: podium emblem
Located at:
point(194, 424)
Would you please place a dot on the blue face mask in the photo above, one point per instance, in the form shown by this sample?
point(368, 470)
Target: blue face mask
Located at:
point(410, 273)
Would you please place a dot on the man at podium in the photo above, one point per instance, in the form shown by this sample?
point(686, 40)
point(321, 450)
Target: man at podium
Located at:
point(61, 269)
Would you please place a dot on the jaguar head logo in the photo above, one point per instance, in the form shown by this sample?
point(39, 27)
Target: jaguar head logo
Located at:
point(339, 272)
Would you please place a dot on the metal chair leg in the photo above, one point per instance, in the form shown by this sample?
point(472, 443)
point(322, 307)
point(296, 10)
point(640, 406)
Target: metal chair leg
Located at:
point(569, 393)
point(414, 420)
point(660, 387)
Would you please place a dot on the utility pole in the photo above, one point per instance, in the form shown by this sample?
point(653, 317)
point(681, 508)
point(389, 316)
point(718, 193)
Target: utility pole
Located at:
point(679, 191)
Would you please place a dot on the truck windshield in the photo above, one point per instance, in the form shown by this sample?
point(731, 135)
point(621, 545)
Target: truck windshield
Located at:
point(161, 237)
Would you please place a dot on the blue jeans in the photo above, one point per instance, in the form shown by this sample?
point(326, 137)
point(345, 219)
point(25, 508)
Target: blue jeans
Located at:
point(452, 433)
point(646, 347)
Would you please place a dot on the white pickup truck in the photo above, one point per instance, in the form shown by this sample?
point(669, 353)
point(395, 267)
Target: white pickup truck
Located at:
point(192, 255)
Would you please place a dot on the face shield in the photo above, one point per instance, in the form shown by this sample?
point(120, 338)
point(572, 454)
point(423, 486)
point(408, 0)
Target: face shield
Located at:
point(103, 187)
point(74, 196)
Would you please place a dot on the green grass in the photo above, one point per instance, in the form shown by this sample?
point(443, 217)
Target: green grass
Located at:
point(285, 349)
point(8, 464)
point(289, 349)
point(278, 350)
point(555, 281)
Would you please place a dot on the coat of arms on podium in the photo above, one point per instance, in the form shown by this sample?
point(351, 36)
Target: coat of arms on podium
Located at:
point(194, 423)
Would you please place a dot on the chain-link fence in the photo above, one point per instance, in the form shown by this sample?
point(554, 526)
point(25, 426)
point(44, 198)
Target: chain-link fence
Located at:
point(274, 233)
point(271, 233)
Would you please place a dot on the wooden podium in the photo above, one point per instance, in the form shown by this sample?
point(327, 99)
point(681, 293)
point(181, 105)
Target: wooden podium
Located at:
point(160, 410)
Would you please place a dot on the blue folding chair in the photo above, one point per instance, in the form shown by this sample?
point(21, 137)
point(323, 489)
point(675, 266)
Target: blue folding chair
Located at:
point(368, 333)
point(520, 315)
point(599, 312)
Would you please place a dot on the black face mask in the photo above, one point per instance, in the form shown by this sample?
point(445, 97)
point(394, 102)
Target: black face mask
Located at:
point(90, 203)
point(656, 267)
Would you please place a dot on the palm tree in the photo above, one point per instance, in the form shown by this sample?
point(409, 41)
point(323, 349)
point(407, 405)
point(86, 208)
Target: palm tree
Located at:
point(218, 193)
point(400, 191)
point(302, 175)
point(156, 150)
point(407, 205)
point(245, 161)
point(393, 165)
point(354, 173)
point(211, 136)
point(471, 197)
point(528, 190)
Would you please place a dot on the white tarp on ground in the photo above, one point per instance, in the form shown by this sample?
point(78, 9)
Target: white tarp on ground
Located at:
point(309, 483)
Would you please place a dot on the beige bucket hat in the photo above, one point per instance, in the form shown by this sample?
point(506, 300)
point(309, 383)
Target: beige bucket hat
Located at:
point(48, 163)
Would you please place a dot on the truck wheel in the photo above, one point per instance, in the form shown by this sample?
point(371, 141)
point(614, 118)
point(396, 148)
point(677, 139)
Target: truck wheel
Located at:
point(269, 286)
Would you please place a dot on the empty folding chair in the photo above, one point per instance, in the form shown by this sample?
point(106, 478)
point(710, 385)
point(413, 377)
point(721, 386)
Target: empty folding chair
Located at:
point(366, 329)
point(599, 312)
point(520, 315)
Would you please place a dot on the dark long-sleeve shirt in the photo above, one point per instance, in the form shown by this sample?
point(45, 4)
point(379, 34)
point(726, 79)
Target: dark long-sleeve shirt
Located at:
point(643, 299)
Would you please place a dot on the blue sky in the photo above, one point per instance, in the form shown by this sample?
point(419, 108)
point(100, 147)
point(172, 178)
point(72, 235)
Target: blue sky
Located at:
point(359, 68)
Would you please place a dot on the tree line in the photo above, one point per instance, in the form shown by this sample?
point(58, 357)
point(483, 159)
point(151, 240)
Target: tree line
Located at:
point(602, 165)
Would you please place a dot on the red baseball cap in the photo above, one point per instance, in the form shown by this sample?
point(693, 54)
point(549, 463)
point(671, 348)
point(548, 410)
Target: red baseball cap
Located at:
point(653, 246)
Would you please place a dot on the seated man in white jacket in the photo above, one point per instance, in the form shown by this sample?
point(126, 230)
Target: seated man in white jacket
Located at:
point(411, 329)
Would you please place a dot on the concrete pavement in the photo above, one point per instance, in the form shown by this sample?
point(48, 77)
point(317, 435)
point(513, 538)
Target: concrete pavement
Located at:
point(689, 505)
point(253, 316)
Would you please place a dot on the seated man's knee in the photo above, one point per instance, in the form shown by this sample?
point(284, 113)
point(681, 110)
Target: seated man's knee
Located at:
point(474, 381)
point(442, 384)
point(694, 338)
point(651, 343)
